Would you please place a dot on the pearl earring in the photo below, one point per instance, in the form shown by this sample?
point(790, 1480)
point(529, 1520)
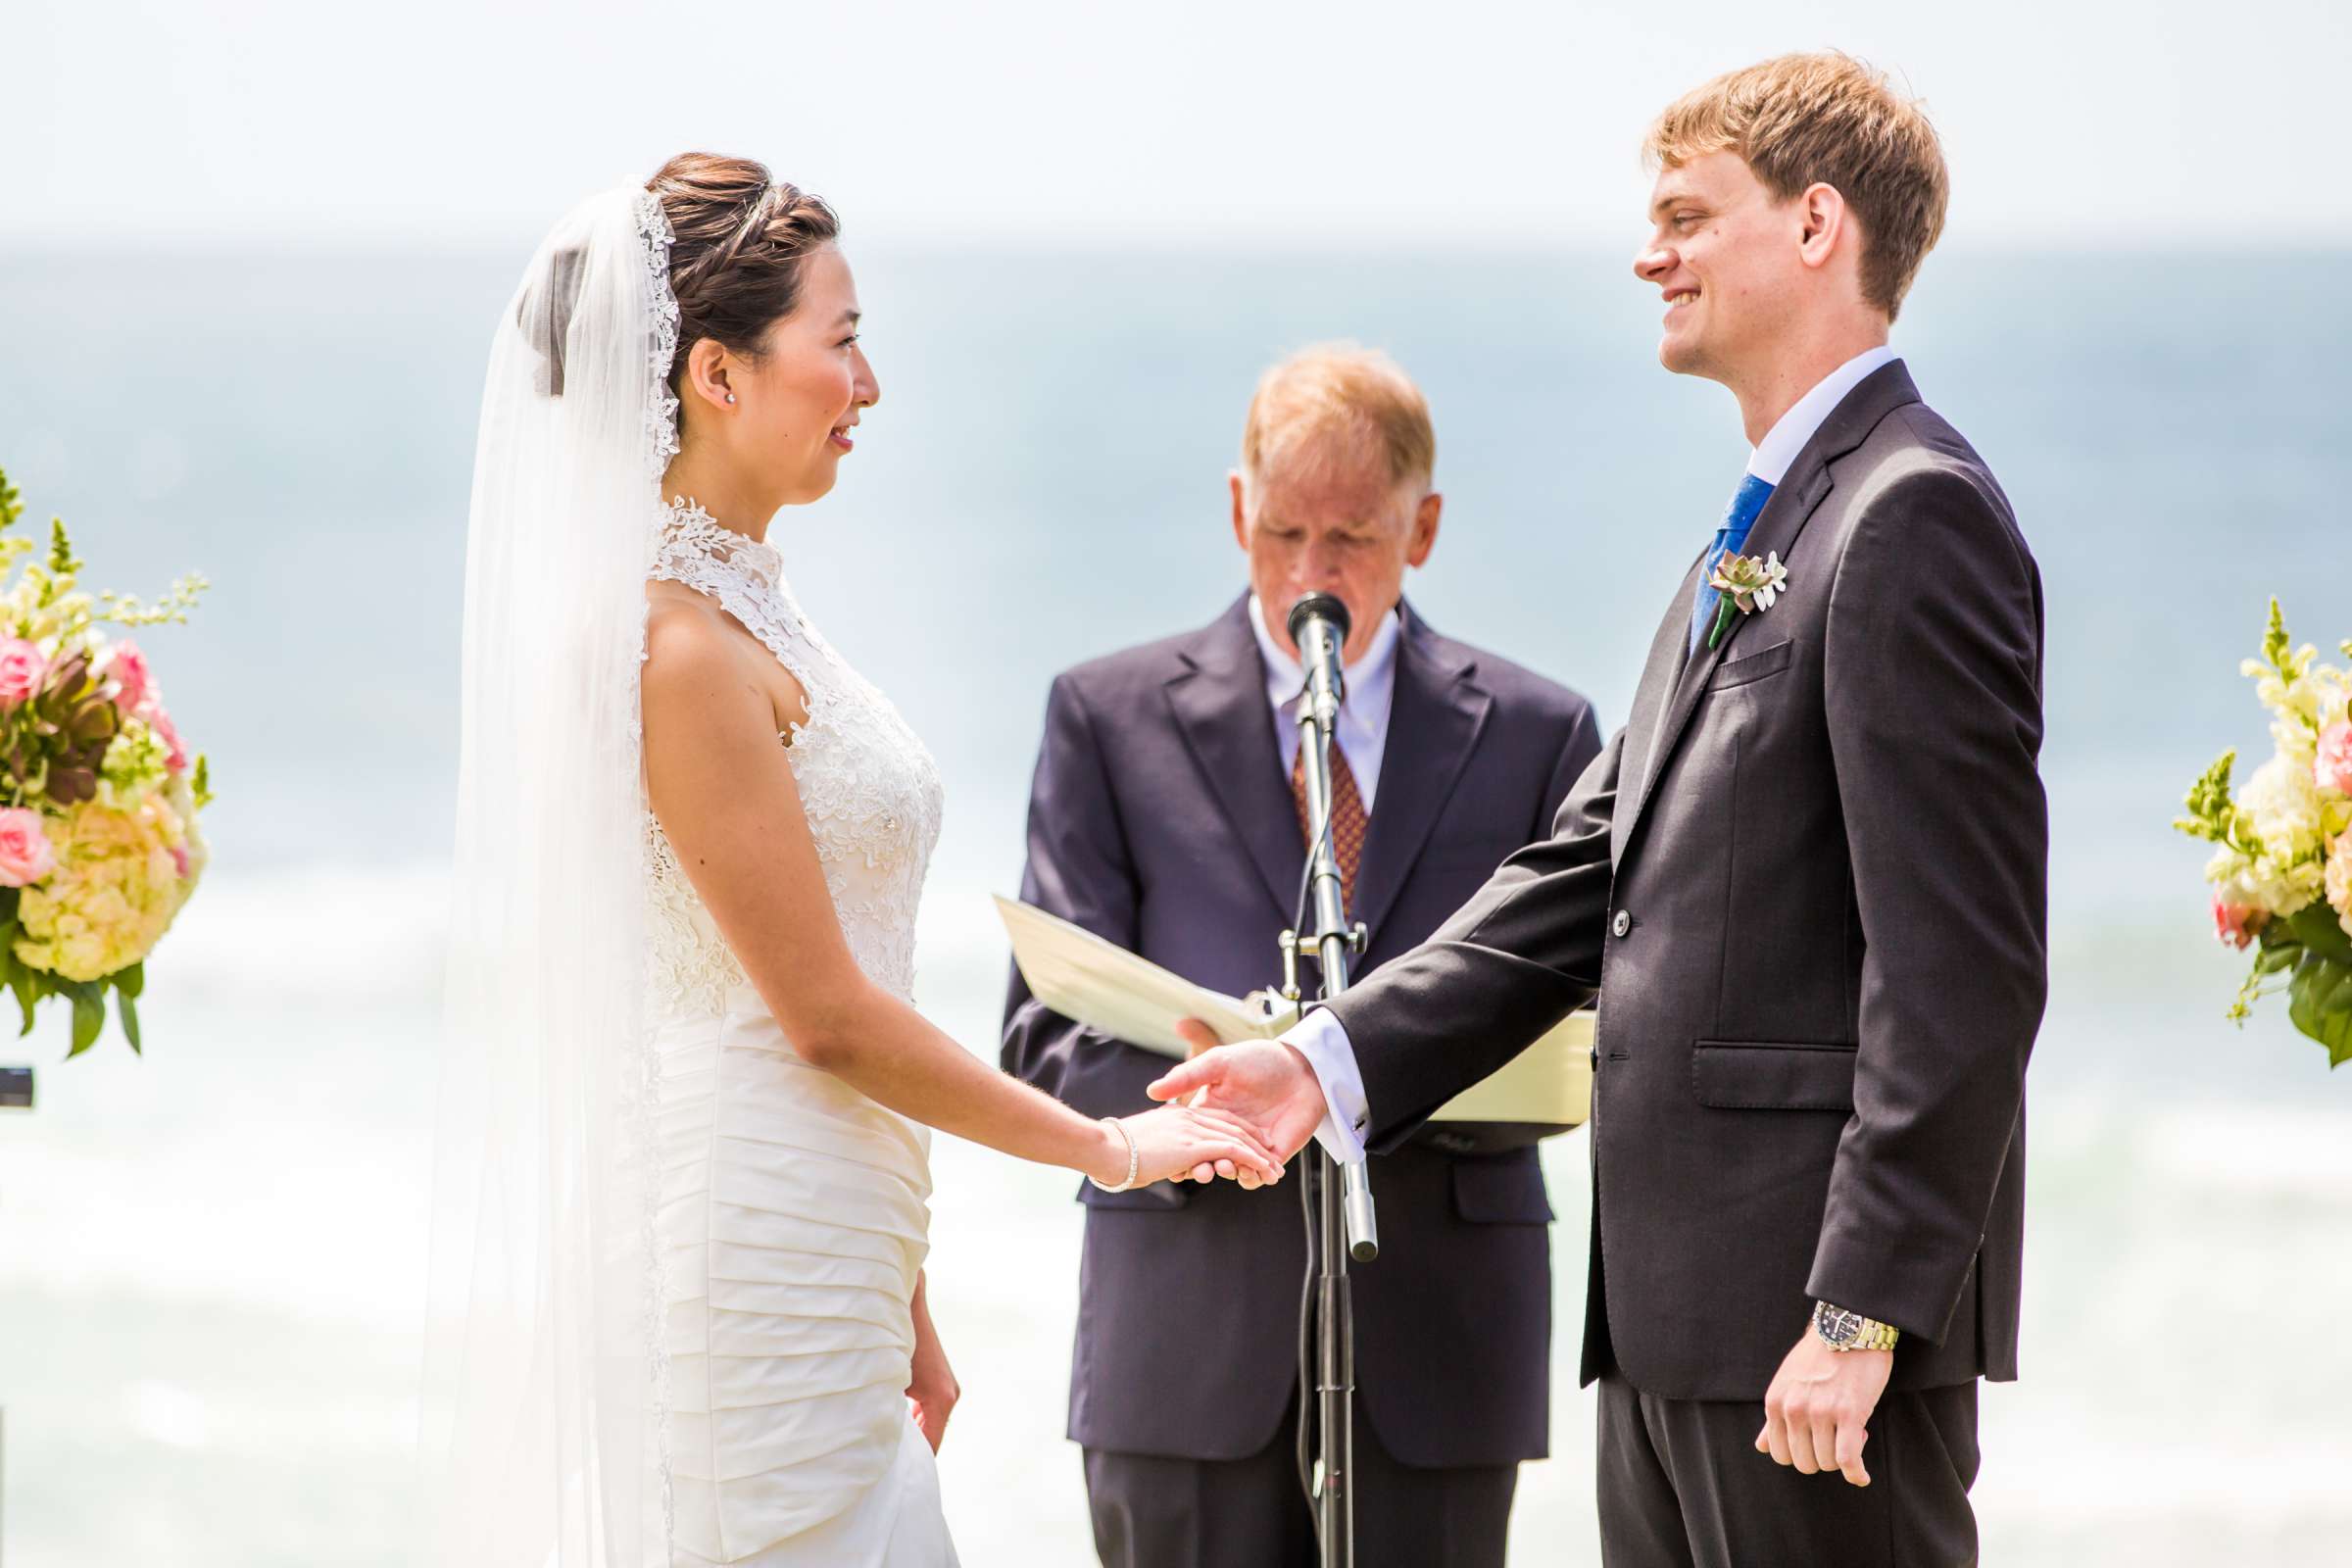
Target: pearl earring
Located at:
point(730, 397)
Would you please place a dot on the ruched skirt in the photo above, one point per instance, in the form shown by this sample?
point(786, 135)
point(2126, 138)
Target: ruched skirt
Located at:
point(793, 1220)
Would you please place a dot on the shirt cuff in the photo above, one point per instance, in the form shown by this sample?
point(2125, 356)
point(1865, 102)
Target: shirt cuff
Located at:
point(1322, 1040)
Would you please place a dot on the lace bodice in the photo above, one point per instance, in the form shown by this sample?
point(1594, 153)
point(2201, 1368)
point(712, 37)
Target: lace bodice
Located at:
point(871, 792)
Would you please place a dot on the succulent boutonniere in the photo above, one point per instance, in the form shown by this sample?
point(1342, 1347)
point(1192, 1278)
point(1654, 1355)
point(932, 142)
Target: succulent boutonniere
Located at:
point(1746, 584)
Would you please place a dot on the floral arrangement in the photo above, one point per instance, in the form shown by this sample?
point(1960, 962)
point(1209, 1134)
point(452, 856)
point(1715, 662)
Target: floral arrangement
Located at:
point(2281, 866)
point(99, 796)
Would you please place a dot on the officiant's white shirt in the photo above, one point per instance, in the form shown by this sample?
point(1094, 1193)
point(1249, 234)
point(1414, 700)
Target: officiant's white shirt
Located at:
point(1319, 1037)
point(1368, 690)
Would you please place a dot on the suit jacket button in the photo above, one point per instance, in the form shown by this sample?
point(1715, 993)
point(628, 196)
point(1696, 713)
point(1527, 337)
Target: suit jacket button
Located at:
point(1622, 924)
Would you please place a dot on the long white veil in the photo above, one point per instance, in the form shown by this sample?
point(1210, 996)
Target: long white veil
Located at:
point(544, 1356)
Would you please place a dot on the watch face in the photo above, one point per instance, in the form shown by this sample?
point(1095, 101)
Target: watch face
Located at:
point(1840, 1326)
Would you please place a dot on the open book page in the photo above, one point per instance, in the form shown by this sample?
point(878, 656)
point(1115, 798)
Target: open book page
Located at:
point(1102, 985)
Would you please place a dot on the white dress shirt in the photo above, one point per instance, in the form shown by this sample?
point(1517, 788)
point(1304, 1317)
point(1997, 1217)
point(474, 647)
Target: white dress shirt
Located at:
point(1368, 690)
point(1319, 1037)
point(1791, 430)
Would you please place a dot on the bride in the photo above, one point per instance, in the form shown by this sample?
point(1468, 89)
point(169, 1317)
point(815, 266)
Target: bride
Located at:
point(678, 1310)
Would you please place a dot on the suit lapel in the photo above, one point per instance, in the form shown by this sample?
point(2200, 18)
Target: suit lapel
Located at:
point(1433, 722)
point(1659, 676)
point(1799, 495)
point(1219, 701)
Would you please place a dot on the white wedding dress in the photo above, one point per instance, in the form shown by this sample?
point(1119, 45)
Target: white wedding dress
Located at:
point(792, 1213)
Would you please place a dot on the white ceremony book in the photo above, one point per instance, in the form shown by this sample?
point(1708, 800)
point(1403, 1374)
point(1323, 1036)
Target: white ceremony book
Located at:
point(1103, 985)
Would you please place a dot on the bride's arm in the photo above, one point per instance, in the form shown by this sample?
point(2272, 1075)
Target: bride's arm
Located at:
point(727, 800)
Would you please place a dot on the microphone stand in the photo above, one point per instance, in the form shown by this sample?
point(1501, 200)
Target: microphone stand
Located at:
point(1344, 1223)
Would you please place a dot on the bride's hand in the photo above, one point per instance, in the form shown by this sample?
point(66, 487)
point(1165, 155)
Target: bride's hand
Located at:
point(934, 1390)
point(1175, 1142)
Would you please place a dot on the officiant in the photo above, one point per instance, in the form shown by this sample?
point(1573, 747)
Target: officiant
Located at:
point(1167, 816)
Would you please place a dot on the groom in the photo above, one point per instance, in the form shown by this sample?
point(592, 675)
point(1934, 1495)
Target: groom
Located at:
point(1807, 878)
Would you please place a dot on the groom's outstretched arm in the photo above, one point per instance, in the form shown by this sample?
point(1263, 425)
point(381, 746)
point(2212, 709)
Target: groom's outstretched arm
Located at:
point(1520, 955)
point(1932, 663)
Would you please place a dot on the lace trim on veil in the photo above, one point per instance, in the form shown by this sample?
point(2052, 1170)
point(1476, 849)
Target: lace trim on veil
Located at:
point(661, 405)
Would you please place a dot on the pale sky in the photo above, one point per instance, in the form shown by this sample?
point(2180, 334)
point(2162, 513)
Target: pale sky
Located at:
point(292, 121)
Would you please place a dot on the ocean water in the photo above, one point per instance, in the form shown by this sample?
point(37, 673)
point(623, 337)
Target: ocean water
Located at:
point(210, 1259)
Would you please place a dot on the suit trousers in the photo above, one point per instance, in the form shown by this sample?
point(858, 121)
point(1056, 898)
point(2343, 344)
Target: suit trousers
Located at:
point(1681, 1486)
point(1155, 1512)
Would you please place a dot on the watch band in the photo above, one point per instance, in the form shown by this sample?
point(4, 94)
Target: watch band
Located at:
point(1842, 1330)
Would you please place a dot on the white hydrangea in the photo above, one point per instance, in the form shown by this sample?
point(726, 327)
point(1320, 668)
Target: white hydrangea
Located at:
point(2264, 884)
point(2281, 802)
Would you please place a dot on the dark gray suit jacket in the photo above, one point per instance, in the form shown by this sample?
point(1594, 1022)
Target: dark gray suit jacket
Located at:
point(1808, 881)
point(1161, 821)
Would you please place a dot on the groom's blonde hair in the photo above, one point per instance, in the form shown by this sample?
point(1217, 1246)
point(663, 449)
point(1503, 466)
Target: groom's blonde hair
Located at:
point(1336, 400)
point(1829, 119)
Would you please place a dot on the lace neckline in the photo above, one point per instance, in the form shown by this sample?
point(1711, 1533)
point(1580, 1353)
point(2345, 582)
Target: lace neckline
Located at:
point(687, 527)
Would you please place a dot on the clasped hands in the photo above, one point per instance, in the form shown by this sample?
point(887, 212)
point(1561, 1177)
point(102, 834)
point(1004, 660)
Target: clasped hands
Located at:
point(1819, 1406)
point(1262, 1082)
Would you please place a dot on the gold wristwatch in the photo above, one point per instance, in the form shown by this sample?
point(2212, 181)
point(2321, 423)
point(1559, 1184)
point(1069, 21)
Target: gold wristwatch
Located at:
point(1842, 1330)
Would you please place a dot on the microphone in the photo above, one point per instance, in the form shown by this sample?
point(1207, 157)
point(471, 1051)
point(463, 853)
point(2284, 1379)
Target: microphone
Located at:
point(1318, 626)
point(1318, 605)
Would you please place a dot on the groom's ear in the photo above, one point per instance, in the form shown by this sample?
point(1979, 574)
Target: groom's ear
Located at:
point(1824, 223)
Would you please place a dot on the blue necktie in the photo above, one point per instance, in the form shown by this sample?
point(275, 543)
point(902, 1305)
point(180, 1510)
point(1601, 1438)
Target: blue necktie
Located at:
point(1730, 539)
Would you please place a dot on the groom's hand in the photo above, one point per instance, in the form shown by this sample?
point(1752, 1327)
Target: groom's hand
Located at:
point(1819, 1405)
point(1263, 1082)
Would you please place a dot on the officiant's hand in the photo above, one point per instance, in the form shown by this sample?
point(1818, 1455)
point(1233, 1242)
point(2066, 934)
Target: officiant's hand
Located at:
point(1819, 1405)
point(1265, 1081)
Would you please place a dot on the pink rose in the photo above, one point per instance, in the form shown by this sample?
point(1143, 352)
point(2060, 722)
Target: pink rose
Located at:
point(2236, 924)
point(24, 853)
point(133, 683)
point(22, 667)
point(160, 722)
point(2333, 769)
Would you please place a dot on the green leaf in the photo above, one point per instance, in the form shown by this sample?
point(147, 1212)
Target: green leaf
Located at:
point(2317, 927)
point(90, 1020)
point(129, 1010)
point(2320, 1003)
point(2277, 957)
point(21, 981)
point(131, 982)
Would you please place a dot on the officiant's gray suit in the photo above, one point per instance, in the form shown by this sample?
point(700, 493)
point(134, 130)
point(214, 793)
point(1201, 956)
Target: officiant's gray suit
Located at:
point(1161, 819)
point(1807, 881)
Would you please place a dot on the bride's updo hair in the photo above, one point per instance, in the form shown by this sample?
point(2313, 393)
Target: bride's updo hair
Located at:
point(741, 239)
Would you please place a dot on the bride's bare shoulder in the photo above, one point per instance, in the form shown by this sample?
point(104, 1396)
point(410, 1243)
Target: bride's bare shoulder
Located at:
point(700, 666)
point(684, 635)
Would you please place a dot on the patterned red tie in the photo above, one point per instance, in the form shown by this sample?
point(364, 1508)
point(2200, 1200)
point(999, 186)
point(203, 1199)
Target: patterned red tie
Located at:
point(1347, 819)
